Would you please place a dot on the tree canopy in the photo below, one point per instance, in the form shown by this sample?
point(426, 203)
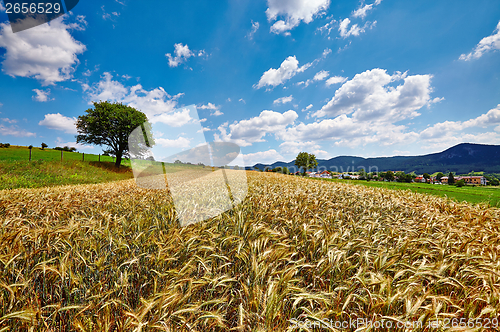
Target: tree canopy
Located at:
point(306, 161)
point(110, 124)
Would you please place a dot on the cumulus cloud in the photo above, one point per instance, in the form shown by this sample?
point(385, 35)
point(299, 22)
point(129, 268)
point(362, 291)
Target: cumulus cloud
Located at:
point(154, 103)
point(14, 131)
point(320, 76)
point(182, 54)
point(450, 128)
point(292, 148)
point(355, 29)
point(41, 95)
point(209, 106)
point(58, 121)
point(247, 132)
point(335, 80)
point(180, 142)
point(283, 100)
point(264, 157)
point(174, 119)
point(370, 97)
point(46, 52)
point(487, 44)
point(274, 77)
point(293, 12)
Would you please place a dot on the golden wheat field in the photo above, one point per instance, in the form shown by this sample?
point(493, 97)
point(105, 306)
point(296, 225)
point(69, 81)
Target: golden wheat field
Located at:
point(112, 257)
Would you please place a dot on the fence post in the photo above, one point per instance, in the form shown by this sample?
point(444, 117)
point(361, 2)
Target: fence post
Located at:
point(99, 157)
point(30, 154)
point(83, 156)
point(61, 155)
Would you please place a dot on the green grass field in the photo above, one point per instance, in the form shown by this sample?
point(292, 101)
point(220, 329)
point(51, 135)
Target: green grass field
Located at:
point(20, 153)
point(474, 195)
point(46, 168)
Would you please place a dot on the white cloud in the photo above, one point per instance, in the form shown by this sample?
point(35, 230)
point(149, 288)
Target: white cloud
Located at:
point(247, 132)
point(362, 11)
point(283, 100)
point(153, 103)
point(292, 148)
point(255, 27)
point(335, 80)
point(15, 131)
point(486, 44)
point(294, 12)
point(264, 157)
point(41, 95)
point(9, 120)
point(242, 100)
point(46, 52)
point(209, 106)
point(321, 75)
point(182, 54)
point(450, 128)
point(58, 121)
point(370, 97)
point(216, 113)
point(355, 29)
point(180, 142)
point(173, 119)
point(274, 77)
point(307, 108)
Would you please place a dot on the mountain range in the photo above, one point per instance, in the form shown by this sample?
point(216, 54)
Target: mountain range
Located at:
point(460, 159)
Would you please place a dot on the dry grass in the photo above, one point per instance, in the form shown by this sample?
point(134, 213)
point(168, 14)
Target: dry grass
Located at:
point(112, 257)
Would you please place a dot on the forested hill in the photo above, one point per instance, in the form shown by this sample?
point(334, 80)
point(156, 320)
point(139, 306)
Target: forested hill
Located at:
point(461, 158)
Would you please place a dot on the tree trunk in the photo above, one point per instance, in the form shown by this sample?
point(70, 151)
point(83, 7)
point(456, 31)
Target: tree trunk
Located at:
point(118, 159)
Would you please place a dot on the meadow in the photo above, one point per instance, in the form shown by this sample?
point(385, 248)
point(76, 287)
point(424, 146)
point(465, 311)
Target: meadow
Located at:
point(113, 257)
point(472, 194)
point(21, 153)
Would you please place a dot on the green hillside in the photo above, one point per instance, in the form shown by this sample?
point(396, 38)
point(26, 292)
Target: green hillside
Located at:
point(46, 168)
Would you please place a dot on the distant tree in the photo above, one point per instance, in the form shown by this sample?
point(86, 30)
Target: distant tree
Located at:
point(451, 178)
point(177, 162)
point(460, 183)
point(363, 175)
point(389, 175)
point(236, 167)
point(278, 169)
point(44, 146)
point(285, 170)
point(439, 176)
point(111, 124)
point(426, 176)
point(305, 161)
point(400, 176)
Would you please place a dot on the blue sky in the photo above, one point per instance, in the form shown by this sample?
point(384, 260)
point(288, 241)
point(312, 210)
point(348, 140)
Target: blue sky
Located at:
point(373, 78)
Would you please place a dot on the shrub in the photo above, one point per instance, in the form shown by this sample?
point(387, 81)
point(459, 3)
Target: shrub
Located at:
point(460, 183)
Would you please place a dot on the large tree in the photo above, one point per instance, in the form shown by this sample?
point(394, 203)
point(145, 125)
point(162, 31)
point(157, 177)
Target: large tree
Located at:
point(306, 161)
point(110, 124)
